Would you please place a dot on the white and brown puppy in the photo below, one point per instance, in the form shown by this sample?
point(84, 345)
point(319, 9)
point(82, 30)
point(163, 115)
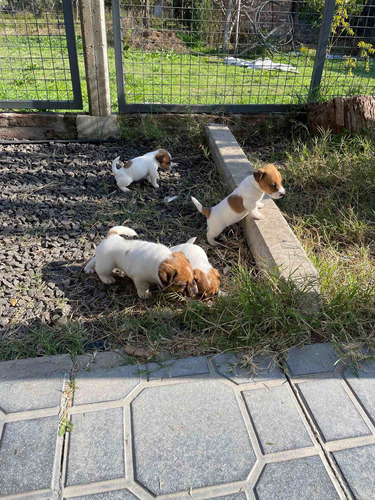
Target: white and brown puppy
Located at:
point(207, 278)
point(144, 262)
point(245, 199)
point(142, 167)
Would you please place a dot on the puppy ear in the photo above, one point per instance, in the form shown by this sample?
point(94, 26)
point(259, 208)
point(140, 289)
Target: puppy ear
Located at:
point(160, 156)
point(167, 275)
point(259, 174)
point(197, 274)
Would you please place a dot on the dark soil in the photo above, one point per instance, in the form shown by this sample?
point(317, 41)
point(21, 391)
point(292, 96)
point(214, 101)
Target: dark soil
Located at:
point(57, 203)
point(156, 40)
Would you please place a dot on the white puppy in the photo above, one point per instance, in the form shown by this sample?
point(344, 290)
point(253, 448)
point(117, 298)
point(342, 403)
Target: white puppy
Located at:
point(142, 167)
point(207, 278)
point(245, 199)
point(144, 262)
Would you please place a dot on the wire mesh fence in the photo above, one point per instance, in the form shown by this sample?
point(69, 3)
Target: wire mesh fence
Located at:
point(240, 53)
point(38, 55)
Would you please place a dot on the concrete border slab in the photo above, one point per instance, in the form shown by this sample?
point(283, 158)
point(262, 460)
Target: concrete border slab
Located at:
point(271, 240)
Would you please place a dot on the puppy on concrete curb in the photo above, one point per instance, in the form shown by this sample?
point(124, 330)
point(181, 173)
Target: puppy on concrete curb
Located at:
point(144, 262)
point(245, 199)
point(207, 278)
point(142, 167)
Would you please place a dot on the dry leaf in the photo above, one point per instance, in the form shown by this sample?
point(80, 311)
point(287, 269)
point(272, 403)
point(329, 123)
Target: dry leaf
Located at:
point(137, 351)
point(13, 302)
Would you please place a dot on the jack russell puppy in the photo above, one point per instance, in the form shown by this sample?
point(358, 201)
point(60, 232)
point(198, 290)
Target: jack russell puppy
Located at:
point(245, 199)
point(142, 167)
point(207, 278)
point(144, 262)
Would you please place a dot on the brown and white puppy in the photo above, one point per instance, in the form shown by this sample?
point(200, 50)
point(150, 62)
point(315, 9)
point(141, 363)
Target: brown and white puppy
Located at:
point(142, 167)
point(207, 278)
point(144, 262)
point(245, 199)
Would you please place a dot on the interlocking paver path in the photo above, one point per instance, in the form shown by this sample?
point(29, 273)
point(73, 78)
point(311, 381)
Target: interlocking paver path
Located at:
point(199, 428)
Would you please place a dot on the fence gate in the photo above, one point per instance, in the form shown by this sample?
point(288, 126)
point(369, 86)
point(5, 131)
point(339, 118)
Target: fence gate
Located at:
point(38, 55)
point(238, 55)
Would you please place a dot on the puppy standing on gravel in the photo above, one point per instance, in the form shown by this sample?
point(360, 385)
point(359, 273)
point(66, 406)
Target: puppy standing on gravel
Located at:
point(142, 167)
point(144, 262)
point(245, 199)
point(207, 278)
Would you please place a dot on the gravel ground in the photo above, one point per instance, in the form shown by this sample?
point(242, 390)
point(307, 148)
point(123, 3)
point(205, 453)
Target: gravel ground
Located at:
point(57, 202)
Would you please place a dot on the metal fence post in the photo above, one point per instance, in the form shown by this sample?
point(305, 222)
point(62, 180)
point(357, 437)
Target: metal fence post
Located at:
point(96, 56)
point(321, 49)
point(119, 59)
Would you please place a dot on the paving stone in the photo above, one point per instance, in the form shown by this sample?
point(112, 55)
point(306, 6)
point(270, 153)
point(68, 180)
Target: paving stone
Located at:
point(235, 496)
point(27, 453)
point(358, 466)
point(333, 411)
point(364, 387)
point(189, 436)
point(301, 479)
point(31, 394)
point(177, 368)
point(106, 359)
point(96, 449)
point(315, 358)
point(30, 384)
point(105, 384)
point(35, 367)
point(228, 364)
point(276, 420)
point(109, 495)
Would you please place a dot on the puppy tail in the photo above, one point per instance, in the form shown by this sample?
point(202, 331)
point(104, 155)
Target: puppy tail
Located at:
point(125, 231)
point(192, 240)
point(203, 210)
point(114, 168)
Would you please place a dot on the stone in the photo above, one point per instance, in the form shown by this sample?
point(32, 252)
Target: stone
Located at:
point(310, 359)
point(106, 384)
point(32, 384)
point(363, 386)
point(228, 364)
point(96, 447)
point(195, 438)
point(357, 466)
point(27, 453)
point(235, 496)
point(332, 409)
point(177, 368)
point(301, 479)
point(109, 495)
point(277, 422)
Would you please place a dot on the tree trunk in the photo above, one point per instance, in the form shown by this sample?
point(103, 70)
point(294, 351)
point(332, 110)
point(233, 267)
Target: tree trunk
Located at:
point(227, 25)
point(146, 13)
point(343, 114)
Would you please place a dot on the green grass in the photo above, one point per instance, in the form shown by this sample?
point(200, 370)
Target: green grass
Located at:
point(168, 77)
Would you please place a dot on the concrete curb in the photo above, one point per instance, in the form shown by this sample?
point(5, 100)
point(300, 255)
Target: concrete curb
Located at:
point(271, 240)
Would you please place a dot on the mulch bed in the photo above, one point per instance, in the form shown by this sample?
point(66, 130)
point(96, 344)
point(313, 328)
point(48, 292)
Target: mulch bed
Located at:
point(57, 202)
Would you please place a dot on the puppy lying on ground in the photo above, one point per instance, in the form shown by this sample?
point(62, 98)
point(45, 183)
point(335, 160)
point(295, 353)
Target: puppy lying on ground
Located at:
point(143, 262)
point(245, 199)
point(142, 167)
point(207, 278)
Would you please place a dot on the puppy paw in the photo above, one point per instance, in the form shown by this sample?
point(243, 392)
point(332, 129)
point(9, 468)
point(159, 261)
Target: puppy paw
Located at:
point(257, 216)
point(212, 242)
point(108, 280)
point(260, 204)
point(125, 189)
point(144, 295)
point(89, 270)
point(155, 186)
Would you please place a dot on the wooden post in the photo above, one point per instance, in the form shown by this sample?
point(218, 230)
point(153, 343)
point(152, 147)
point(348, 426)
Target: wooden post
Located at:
point(96, 56)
